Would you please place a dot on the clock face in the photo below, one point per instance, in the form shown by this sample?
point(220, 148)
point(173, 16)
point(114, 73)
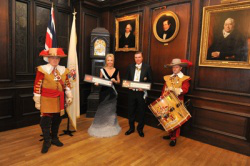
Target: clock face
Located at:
point(99, 47)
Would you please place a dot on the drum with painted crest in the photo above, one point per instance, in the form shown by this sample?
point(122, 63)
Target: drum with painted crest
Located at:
point(170, 111)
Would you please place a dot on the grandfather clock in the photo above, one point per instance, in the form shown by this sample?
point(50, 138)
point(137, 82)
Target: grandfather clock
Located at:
point(99, 48)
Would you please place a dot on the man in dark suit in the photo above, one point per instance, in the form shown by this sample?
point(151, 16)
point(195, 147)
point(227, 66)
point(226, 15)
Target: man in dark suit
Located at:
point(127, 40)
point(229, 44)
point(140, 72)
point(167, 30)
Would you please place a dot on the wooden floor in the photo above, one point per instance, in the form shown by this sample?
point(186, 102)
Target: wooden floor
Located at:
point(21, 147)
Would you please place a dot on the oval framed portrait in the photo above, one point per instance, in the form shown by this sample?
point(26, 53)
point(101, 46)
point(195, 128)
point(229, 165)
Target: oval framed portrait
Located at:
point(166, 26)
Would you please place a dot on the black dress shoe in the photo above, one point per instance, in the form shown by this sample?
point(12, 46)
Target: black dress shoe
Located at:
point(173, 142)
point(130, 131)
point(141, 134)
point(166, 137)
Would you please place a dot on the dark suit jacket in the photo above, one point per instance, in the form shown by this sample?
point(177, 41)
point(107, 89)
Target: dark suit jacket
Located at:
point(233, 45)
point(130, 41)
point(146, 73)
point(169, 33)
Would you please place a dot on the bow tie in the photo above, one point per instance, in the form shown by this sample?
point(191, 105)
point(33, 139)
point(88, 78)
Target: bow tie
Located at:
point(138, 66)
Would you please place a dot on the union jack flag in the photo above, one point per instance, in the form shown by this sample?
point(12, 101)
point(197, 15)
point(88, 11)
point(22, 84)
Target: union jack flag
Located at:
point(51, 41)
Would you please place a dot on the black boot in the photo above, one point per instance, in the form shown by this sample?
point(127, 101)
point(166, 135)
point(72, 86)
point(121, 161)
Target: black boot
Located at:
point(45, 124)
point(173, 142)
point(56, 121)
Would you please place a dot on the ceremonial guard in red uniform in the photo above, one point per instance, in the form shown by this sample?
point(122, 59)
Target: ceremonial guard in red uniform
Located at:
point(178, 83)
point(50, 85)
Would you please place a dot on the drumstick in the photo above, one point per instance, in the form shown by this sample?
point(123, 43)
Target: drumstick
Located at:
point(178, 105)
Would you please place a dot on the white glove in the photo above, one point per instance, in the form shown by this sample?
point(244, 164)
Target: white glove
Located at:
point(69, 98)
point(37, 102)
point(170, 88)
point(178, 91)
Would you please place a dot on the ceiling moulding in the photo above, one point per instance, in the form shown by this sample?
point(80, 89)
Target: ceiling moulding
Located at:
point(110, 3)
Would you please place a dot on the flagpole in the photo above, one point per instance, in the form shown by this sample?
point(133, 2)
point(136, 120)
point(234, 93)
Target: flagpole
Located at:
point(68, 131)
point(73, 110)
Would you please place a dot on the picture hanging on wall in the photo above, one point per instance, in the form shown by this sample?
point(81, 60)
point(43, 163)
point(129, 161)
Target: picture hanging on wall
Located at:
point(127, 33)
point(166, 26)
point(225, 37)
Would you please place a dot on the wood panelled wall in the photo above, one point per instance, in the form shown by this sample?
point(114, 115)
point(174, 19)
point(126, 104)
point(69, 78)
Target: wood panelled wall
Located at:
point(220, 105)
point(220, 97)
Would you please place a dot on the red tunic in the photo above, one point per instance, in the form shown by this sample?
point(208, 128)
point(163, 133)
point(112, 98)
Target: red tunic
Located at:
point(50, 85)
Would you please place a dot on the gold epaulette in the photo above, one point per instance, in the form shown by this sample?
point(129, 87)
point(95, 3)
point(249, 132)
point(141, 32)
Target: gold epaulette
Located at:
point(39, 68)
point(166, 77)
point(185, 78)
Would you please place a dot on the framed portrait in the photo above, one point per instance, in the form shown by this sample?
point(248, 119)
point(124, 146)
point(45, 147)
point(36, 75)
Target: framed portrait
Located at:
point(127, 33)
point(225, 37)
point(166, 26)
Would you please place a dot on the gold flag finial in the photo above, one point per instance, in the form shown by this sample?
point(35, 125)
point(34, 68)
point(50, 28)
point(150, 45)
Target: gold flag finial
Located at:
point(74, 12)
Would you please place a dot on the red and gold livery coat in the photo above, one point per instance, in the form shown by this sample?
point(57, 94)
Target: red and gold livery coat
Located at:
point(177, 81)
point(50, 84)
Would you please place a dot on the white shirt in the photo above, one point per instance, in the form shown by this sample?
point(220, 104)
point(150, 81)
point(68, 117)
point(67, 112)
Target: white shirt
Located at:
point(127, 34)
point(164, 36)
point(180, 74)
point(137, 72)
point(137, 78)
point(225, 34)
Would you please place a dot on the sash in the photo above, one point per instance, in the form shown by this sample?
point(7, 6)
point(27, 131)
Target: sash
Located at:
point(106, 77)
point(53, 94)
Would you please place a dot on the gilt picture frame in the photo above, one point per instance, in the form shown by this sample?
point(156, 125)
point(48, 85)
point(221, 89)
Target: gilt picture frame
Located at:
point(127, 33)
point(225, 36)
point(166, 26)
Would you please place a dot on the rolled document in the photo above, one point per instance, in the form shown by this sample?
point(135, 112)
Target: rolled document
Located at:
point(94, 79)
point(136, 85)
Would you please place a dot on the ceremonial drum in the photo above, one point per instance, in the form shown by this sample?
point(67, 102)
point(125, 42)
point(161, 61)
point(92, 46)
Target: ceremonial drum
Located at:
point(170, 111)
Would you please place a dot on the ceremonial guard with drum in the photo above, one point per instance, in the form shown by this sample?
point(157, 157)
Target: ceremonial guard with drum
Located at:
point(179, 84)
point(50, 85)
